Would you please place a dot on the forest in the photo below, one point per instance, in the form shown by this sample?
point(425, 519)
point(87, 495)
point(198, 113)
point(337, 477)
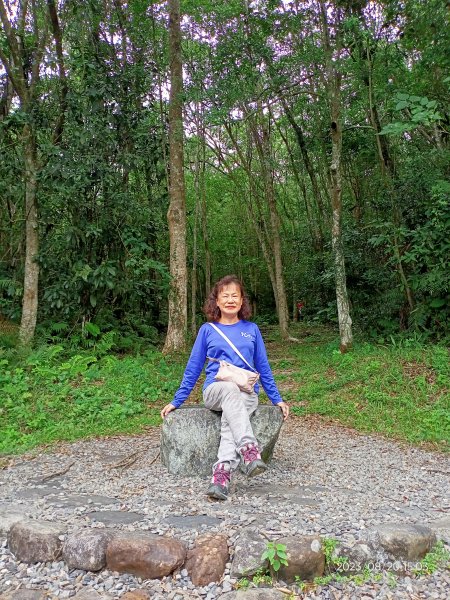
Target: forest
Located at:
point(149, 148)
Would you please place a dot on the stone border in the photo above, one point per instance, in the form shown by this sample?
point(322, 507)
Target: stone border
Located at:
point(394, 547)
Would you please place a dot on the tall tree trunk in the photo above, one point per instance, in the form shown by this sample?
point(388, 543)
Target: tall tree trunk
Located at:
point(334, 94)
point(343, 307)
point(31, 276)
point(176, 215)
point(262, 142)
point(197, 208)
point(23, 70)
point(208, 282)
point(314, 224)
point(204, 213)
point(301, 142)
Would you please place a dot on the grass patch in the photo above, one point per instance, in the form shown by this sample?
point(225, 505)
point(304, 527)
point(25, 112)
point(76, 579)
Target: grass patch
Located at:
point(50, 396)
point(402, 392)
point(54, 394)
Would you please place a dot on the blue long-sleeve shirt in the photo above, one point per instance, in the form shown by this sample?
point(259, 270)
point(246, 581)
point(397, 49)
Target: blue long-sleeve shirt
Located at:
point(247, 338)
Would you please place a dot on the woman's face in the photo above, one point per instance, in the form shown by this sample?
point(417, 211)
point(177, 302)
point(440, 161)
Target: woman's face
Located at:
point(229, 300)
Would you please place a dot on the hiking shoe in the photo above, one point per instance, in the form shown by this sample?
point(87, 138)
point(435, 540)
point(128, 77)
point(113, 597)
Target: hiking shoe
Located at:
point(220, 482)
point(251, 460)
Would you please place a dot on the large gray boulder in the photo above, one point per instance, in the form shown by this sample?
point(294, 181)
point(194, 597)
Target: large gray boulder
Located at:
point(248, 550)
point(36, 541)
point(402, 541)
point(86, 549)
point(190, 437)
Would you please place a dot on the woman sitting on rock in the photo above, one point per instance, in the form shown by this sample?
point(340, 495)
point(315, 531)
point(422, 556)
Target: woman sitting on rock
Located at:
point(227, 310)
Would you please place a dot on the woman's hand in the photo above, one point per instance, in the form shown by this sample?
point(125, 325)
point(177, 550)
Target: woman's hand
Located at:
point(166, 410)
point(284, 409)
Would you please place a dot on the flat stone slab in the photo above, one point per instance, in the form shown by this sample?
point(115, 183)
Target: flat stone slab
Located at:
point(24, 595)
point(192, 522)
point(37, 492)
point(275, 494)
point(10, 515)
point(115, 517)
point(75, 500)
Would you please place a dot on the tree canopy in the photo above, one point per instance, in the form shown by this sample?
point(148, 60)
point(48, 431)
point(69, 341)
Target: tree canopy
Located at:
point(316, 162)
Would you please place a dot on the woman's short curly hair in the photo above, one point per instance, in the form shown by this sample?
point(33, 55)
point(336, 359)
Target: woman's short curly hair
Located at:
point(211, 309)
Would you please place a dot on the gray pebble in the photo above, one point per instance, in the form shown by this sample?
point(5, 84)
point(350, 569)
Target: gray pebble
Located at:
point(369, 490)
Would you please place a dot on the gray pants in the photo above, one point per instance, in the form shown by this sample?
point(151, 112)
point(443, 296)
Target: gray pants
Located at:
point(236, 407)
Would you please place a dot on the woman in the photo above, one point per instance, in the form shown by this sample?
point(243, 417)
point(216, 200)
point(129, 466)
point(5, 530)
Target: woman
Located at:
point(227, 310)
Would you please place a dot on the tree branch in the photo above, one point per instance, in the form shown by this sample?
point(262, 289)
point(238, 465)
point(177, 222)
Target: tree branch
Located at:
point(38, 58)
point(12, 65)
point(57, 36)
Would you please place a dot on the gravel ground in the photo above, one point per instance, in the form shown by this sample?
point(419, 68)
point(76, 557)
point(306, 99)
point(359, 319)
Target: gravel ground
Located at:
point(324, 479)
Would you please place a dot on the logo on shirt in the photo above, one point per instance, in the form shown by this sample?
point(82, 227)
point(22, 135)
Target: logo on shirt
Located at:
point(247, 335)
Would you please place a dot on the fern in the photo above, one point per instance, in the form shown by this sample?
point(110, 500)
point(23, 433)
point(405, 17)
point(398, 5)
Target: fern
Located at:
point(91, 329)
point(106, 342)
point(59, 327)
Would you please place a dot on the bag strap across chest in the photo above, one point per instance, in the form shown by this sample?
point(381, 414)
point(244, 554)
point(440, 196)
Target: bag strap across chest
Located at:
point(232, 346)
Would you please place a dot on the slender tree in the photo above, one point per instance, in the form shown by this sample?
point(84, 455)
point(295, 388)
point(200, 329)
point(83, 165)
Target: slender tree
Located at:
point(333, 84)
point(177, 326)
point(26, 35)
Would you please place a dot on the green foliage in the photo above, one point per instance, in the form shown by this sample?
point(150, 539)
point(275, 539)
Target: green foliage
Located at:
point(428, 254)
point(399, 390)
point(438, 557)
point(102, 188)
point(420, 110)
point(53, 396)
point(300, 583)
point(332, 561)
point(261, 578)
point(276, 555)
point(56, 392)
point(243, 584)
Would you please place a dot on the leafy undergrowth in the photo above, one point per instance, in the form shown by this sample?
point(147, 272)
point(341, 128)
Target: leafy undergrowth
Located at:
point(51, 394)
point(401, 390)
point(49, 397)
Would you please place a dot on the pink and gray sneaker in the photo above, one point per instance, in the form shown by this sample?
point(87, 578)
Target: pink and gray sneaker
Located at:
point(251, 463)
point(220, 482)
